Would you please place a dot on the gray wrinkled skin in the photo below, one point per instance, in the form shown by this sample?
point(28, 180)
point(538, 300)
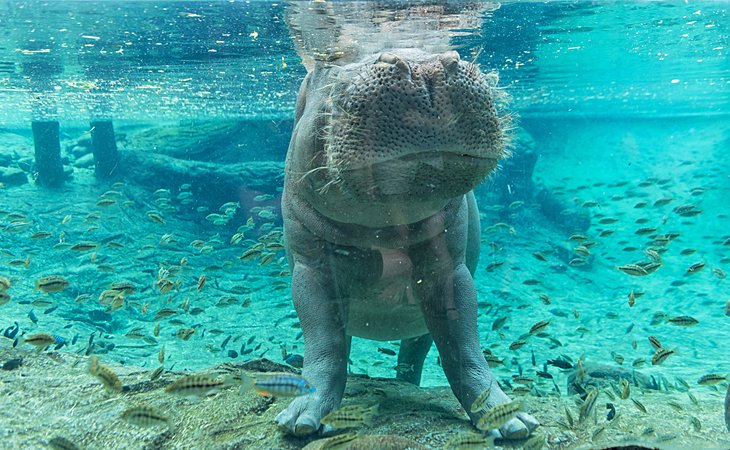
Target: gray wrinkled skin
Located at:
point(381, 226)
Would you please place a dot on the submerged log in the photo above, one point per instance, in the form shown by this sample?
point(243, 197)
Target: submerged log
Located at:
point(224, 181)
point(104, 147)
point(727, 408)
point(46, 137)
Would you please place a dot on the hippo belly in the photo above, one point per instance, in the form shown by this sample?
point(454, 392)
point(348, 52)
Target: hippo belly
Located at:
point(386, 311)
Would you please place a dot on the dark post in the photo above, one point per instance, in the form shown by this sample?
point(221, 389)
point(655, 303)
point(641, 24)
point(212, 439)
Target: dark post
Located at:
point(104, 146)
point(46, 138)
point(727, 409)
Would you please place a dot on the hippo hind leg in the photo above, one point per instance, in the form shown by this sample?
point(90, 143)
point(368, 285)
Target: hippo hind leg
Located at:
point(411, 356)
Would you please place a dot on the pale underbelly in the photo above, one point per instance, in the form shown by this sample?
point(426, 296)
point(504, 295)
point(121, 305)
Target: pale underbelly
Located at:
point(388, 311)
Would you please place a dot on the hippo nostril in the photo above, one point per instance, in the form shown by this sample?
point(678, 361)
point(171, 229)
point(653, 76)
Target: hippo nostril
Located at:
point(450, 61)
point(392, 58)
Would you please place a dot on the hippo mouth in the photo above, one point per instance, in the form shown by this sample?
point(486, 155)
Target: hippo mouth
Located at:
point(410, 107)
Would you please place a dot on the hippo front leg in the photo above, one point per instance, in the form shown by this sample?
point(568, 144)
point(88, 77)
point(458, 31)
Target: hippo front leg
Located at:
point(450, 311)
point(325, 353)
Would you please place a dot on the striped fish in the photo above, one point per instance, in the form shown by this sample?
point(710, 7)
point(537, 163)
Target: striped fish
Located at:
point(280, 385)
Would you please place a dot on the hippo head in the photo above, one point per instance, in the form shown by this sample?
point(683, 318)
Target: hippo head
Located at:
point(402, 129)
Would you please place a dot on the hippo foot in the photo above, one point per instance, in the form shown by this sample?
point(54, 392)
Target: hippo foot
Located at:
point(302, 416)
point(518, 427)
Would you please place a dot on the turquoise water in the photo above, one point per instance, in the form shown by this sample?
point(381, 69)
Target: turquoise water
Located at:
point(624, 107)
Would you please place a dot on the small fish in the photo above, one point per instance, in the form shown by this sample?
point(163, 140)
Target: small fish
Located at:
point(654, 341)
point(145, 416)
point(386, 351)
point(469, 441)
point(710, 379)
point(493, 361)
point(660, 356)
point(155, 374)
point(587, 407)
point(539, 327)
point(40, 340)
point(633, 269)
point(165, 313)
point(625, 389)
point(198, 385)
point(577, 237)
point(61, 443)
point(684, 321)
point(281, 384)
point(498, 415)
point(156, 217)
point(107, 376)
point(518, 344)
point(185, 333)
point(481, 401)
point(201, 282)
point(693, 399)
point(687, 210)
point(640, 406)
point(124, 287)
point(499, 323)
point(696, 424)
point(339, 441)
point(52, 283)
point(84, 246)
point(569, 417)
point(696, 267)
point(351, 416)
point(521, 379)
point(560, 363)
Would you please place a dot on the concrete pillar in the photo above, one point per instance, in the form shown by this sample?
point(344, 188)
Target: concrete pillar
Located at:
point(46, 138)
point(104, 146)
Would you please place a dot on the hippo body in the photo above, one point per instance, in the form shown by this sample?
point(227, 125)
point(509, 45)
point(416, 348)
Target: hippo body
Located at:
point(381, 226)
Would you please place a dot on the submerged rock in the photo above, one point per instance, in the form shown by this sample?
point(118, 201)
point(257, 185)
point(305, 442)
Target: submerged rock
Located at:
point(12, 176)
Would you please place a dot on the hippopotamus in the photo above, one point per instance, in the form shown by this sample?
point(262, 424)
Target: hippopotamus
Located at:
point(381, 226)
